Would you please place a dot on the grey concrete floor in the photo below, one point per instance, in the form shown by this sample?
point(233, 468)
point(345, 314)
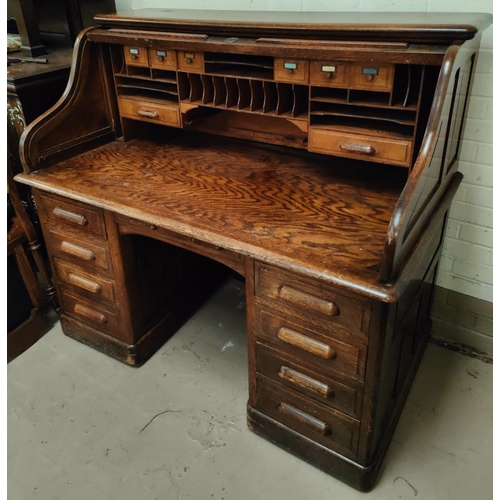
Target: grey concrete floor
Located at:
point(82, 426)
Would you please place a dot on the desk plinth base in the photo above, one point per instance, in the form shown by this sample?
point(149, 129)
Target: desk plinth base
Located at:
point(334, 464)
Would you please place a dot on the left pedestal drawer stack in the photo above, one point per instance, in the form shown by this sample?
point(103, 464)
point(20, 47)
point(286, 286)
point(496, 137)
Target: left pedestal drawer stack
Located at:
point(80, 258)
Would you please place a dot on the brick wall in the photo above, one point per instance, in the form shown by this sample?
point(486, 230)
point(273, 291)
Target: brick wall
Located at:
point(466, 268)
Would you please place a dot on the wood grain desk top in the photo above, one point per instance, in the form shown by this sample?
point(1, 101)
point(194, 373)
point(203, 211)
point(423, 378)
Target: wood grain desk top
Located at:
point(322, 216)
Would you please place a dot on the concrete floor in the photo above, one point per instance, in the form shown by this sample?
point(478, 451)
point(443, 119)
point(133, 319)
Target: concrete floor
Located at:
point(82, 426)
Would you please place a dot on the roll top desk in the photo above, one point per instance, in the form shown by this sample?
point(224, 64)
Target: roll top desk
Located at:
point(314, 154)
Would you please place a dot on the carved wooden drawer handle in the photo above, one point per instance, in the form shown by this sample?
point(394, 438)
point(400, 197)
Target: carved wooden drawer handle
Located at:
point(309, 301)
point(305, 343)
point(363, 149)
point(95, 316)
point(77, 251)
point(147, 114)
point(306, 382)
point(305, 419)
point(84, 283)
point(60, 213)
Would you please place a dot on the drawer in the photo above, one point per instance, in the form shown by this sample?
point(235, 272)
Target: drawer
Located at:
point(323, 425)
point(316, 348)
point(91, 313)
point(358, 146)
point(74, 214)
point(371, 77)
point(190, 61)
point(93, 252)
point(149, 111)
point(163, 59)
point(136, 56)
point(329, 74)
point(284, 369)
point(85, 282)
point(309, 300)
point(291, 70)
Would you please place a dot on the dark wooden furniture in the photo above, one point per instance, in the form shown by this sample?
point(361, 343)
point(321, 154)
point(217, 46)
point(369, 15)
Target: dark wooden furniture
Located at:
point(338, 234)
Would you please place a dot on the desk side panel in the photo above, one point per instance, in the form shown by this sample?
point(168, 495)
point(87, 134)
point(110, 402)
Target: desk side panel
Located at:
point(84, 117)
point(437, 161)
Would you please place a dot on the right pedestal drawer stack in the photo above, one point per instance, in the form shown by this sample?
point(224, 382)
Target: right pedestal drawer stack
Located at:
point(311, 347)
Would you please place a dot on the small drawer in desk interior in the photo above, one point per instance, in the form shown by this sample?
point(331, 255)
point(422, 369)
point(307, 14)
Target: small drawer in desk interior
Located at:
point(318, 422)
point(313, 302)
point(149, 110)
point(136, 56)
point(331, 351)
point(190, 61)
point(74, 214)
point(291, 70)
point(163, 59)
point(373, 77)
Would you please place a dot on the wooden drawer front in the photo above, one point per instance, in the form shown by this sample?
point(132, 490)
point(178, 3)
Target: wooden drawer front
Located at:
point(291, 70)
point(148, 111)
point(362, 147)
point(324, 425)
point(163, 59)
point(190, 61)
point(311, 301)
point(91, 252)
point(91, 313)
point(329, 74)
point(285, 370)
point(371, 77)
point(318, 349)
point(136, 56)
point(77, 215)
point(84, 281)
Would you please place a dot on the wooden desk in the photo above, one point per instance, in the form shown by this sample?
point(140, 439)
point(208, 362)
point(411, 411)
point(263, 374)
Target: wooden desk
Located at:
point(315, 156)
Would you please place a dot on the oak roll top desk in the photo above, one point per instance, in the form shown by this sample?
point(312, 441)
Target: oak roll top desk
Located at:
point(314, 154)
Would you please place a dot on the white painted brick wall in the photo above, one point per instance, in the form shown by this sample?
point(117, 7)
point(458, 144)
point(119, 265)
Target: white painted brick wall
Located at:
point(466, 266)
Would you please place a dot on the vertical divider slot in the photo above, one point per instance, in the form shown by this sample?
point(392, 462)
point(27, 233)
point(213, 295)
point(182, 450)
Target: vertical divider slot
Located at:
point(285, 98)
point(208, 89)
point(232, 92)
point(244, 93)
point(270, 97)
point(220, 91)
point(184, 86)
point(196, 90)
point(257, 95)
point(300, 100)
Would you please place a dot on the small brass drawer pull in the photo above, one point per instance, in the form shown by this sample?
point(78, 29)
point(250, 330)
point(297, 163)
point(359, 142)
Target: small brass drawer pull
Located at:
point(95, 316)
point(329, 71)
point(306, 382)
point(70, 216)
point(305, 343)
point(305, 419)
point(134, 53)
point(147, 114)
point(77, 251)
point(290, 67)
point(161, 54)
point(363, 149)
point(84, 283)
point(370, 73)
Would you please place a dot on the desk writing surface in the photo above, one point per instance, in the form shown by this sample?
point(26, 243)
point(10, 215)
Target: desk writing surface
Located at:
point(323, 216)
